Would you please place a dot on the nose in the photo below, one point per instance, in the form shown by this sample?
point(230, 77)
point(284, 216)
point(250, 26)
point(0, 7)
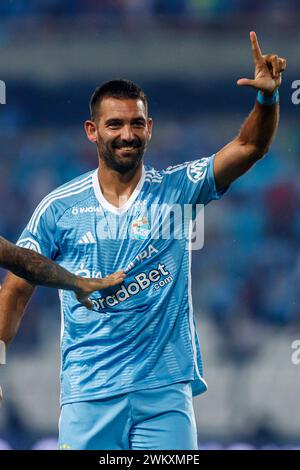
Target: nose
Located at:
point(126, 133)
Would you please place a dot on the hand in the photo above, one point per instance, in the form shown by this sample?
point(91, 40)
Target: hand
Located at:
point(86, 286)
point(268, 68)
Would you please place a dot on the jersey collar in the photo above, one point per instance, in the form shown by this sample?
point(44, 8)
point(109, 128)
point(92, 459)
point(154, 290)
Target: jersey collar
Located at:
point(110, 207)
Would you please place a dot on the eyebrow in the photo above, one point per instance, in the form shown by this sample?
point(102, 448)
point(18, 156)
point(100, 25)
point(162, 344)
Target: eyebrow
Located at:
point(118, 120)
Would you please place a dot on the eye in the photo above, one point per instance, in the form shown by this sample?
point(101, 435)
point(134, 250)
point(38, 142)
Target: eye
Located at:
point(139, 124)
point(114, 125)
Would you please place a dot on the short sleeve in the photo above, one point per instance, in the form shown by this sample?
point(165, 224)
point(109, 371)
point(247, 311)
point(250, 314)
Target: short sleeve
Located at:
point(195, 181)
point(40, 233)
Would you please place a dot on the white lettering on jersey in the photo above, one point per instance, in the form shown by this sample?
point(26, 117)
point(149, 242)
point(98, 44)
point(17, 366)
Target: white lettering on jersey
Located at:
point(145, 254)
point(86, 210)
point(84, 272)
point(155, 277)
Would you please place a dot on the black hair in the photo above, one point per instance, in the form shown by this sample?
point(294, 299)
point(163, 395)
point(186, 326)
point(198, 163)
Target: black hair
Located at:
point(120, 89)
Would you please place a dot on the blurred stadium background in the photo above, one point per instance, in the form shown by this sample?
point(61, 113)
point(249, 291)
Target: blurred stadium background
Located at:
point(187, 54)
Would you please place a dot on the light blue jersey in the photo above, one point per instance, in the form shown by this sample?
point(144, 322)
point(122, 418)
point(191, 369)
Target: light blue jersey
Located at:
point(141, 334)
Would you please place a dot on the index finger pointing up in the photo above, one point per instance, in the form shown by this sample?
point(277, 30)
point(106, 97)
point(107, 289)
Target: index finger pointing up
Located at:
point(257, 55)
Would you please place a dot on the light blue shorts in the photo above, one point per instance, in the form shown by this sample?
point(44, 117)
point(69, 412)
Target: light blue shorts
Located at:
point(159, 418)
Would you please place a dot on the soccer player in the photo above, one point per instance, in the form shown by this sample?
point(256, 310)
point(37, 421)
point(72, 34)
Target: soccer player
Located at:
point(131, 366)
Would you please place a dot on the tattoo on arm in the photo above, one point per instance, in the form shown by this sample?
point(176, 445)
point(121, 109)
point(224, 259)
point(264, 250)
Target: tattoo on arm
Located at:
point(34, 267)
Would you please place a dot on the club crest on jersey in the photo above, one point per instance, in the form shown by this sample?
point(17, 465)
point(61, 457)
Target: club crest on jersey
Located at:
point(197, 170)
point(140, 228)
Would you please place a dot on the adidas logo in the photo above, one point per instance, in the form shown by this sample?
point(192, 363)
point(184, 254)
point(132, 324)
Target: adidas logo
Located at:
point(87, 239)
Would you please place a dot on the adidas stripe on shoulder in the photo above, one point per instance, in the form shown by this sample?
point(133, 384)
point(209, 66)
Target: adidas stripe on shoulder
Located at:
point(69, 189)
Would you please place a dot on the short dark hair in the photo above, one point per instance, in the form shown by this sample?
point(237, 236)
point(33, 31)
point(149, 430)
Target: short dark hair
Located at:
point(120, 89)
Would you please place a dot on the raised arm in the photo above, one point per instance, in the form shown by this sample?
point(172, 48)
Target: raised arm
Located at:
point(259, 128)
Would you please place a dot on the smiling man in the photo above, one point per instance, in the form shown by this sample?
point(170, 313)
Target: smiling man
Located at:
point(131, 366)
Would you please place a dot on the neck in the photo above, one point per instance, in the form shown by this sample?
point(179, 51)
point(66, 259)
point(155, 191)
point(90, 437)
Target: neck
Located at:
point(117, 187)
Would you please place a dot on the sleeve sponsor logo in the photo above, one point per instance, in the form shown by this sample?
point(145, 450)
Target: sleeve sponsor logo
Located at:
point(196, 171)
point(30, 244)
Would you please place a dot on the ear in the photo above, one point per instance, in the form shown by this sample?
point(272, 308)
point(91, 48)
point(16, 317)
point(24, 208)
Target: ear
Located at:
point(150, 127)
point(91, 131)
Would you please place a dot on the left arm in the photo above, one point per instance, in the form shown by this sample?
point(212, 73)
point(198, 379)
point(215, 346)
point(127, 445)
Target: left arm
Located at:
point(259, 128)
point(34, 267)
point(37, 269)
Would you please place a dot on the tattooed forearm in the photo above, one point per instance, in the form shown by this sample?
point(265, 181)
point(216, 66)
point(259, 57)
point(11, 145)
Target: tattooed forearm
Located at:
point(34, 267)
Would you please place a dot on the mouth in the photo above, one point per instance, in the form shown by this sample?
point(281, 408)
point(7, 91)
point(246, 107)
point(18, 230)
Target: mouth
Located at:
point(127, 149)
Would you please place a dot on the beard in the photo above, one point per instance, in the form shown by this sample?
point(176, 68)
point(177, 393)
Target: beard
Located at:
point(120, 160)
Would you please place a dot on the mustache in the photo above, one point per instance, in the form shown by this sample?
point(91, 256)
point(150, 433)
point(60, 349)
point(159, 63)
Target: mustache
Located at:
point(135, 143)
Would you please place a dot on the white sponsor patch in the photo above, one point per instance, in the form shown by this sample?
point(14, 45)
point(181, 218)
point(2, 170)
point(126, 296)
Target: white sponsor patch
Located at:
point(86, 210)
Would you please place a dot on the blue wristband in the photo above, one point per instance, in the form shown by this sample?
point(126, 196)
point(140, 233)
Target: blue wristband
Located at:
point(268, 100)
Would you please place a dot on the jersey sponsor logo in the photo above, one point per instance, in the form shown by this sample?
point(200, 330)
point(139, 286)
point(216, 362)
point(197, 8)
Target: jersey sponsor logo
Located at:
point(143, 255)
point(30, 244)
point(87, 239)
point(86, 210)
point(156, 278)
point(196, 171)
point(85, 272)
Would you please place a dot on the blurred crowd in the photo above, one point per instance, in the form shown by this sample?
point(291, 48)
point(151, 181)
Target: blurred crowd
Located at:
point(124, 8)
